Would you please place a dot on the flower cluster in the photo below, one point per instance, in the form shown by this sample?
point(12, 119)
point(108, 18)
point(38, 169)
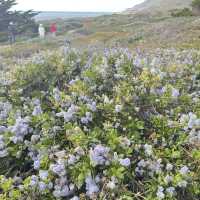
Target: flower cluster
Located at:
point(103, 125)
point(20, 129)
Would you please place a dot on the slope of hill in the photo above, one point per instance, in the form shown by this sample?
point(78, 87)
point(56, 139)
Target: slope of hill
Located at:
point(159, 6)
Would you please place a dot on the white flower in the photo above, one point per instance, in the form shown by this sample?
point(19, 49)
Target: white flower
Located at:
point(148, 149)
point(118, 108)
point(170, 191)
point(50, 185)
point(3, 153)
point(155, 166)
point(75, 198)
point(160, 193)
point(35, 139)
point(112, 184)
point(168, 179)
point(182, 184)
point(125, 162)
point(125, 142)
point(169, 167)
point(106, 100)
point(43, 174)
point(79, 151)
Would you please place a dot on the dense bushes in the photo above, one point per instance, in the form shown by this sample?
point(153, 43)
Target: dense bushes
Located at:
point(196, 3)
point(185, 12)
point(102, 125)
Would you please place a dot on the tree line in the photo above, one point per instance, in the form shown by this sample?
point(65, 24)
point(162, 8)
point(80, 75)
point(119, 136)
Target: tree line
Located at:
point(24, 20)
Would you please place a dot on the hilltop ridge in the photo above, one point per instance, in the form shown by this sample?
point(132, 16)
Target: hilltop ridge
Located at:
point(158, 6)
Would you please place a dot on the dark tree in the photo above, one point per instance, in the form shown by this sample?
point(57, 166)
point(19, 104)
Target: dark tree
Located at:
point(23, 20)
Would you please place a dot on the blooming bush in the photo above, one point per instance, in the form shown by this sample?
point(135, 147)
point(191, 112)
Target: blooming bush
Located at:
point(102, 125)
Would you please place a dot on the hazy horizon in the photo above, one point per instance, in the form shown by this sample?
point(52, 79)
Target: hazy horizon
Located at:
point(77, 5)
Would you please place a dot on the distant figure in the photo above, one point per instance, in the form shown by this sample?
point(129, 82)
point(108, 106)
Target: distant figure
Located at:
point(12, 32)
point(67, 43)
point(53, 30)
point(41, 31)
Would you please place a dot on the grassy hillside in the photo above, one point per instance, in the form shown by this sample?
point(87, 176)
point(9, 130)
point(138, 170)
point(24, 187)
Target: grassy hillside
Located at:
point(159, 6)
point(135, 30)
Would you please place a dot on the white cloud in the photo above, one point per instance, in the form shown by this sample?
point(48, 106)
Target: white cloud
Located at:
point(76, 5)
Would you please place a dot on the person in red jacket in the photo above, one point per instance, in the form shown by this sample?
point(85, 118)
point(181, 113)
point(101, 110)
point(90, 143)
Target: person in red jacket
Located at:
point(53, 29)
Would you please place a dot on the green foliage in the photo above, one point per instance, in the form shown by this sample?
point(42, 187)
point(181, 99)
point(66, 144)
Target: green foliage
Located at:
point(138, 136)
point(196, 3)
point(185, 12)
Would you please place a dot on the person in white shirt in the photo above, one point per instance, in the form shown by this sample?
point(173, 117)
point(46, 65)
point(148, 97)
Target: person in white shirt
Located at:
point(41, 31)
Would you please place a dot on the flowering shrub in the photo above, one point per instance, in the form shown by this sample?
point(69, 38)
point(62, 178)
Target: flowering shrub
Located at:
point(110, 125)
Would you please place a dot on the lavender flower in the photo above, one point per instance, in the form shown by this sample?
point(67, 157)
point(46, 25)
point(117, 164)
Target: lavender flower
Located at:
point(72, 160)
point(184, 170)
point(20, 129)
point(175, 93)
point(5, 108)
point(42, 186)
point(2, 129)
point(3, 150)
point(125, 162)
point(87, 118)
point(36, 164)
point(92, 106)
point(37, 110)
point(61, 189)
point(56, 94)
point(58, 169)
point(91, 186)
point(99, 155)
point(34, 181)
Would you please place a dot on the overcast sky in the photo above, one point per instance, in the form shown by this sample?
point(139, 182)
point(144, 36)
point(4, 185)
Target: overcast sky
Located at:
point(77, 5)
